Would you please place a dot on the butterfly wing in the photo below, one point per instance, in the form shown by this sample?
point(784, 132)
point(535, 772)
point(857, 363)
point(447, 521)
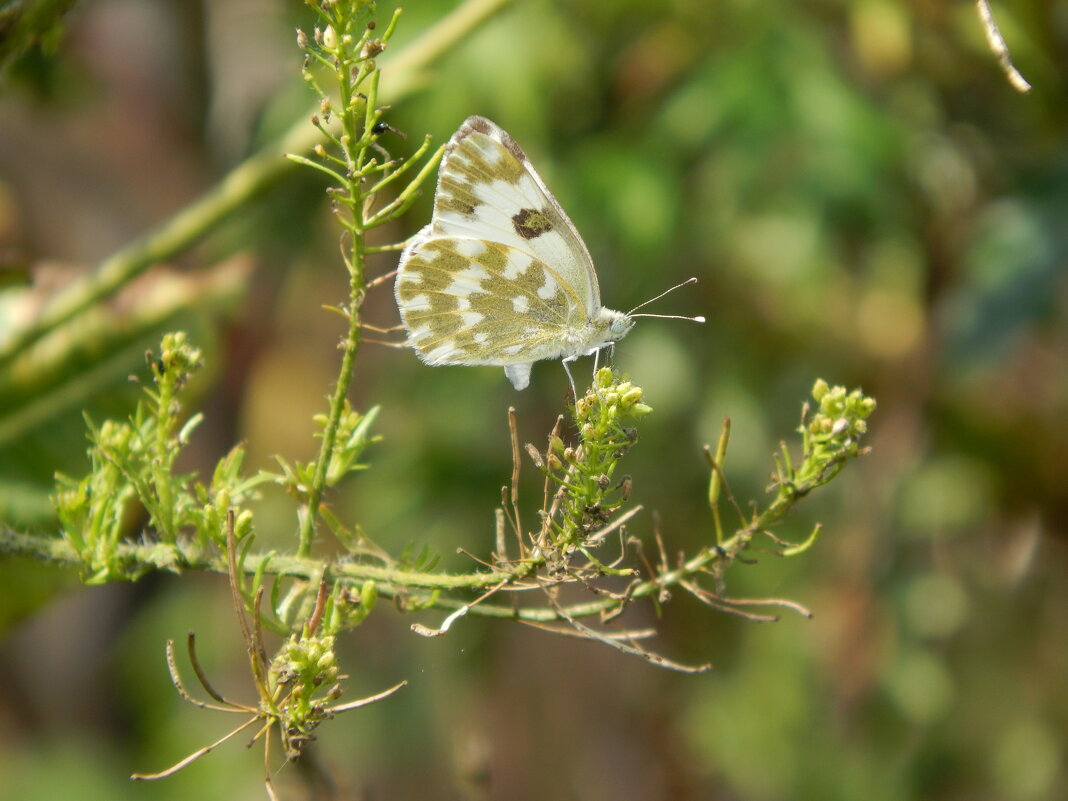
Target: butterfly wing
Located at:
point(500, 275)
point(474, 301)
point(488, 189)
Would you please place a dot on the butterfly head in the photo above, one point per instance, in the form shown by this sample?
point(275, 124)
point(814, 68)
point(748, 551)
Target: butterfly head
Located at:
point(611, 326)
point(605, 329)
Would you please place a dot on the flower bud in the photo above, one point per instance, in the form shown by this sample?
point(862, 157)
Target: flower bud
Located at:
point(820, 389)
point(640, 410)
point(243, 524)
point(368, 595)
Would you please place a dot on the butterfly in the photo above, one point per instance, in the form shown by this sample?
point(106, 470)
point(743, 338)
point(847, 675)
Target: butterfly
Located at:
point(500, 276)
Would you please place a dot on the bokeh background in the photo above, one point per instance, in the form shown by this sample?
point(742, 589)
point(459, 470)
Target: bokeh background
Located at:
point(863, 197)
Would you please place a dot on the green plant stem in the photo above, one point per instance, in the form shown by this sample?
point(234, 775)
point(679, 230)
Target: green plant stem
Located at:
point(168, 557)
point(393, 583)
point(354, 152)
point(337, 405)
point(246, 181)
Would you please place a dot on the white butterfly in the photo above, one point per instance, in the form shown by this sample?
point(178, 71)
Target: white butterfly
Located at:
point(500, 276)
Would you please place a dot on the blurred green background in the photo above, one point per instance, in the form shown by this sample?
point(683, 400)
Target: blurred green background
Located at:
point(863, 198)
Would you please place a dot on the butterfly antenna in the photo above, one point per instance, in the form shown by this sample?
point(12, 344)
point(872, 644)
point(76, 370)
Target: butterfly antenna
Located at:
point(697, 319)
point(687, 282)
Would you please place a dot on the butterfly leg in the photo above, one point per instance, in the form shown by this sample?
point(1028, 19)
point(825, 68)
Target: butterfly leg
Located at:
point(570, 380)
point(611, 348)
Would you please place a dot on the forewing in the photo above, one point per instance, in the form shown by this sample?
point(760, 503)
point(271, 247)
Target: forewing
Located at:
point(488, 190)
point(471, 301)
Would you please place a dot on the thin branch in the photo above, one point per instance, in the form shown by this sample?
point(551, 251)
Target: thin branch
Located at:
point(427, 631)
point(168, 558)
point(627, 646)
point(201, 677)
point(731, 604)
point(633, 634)
point(235, 582)
point(320, 606)
point(999, 48)
point(334, 710)
point(193, 757)
point(179, 685)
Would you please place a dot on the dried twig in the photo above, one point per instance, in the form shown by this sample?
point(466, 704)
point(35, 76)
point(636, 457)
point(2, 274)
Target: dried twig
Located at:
point(999, 48)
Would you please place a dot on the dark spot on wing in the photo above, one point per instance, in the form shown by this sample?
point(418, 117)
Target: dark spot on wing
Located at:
point(531, 223)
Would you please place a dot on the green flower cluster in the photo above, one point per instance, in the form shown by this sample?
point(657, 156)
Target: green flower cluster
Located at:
point(829, 437)
point(841, 415)
point(585, 471)
point(304, 666)
point(611, 400)
point(134, 460)
point(307, 662)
